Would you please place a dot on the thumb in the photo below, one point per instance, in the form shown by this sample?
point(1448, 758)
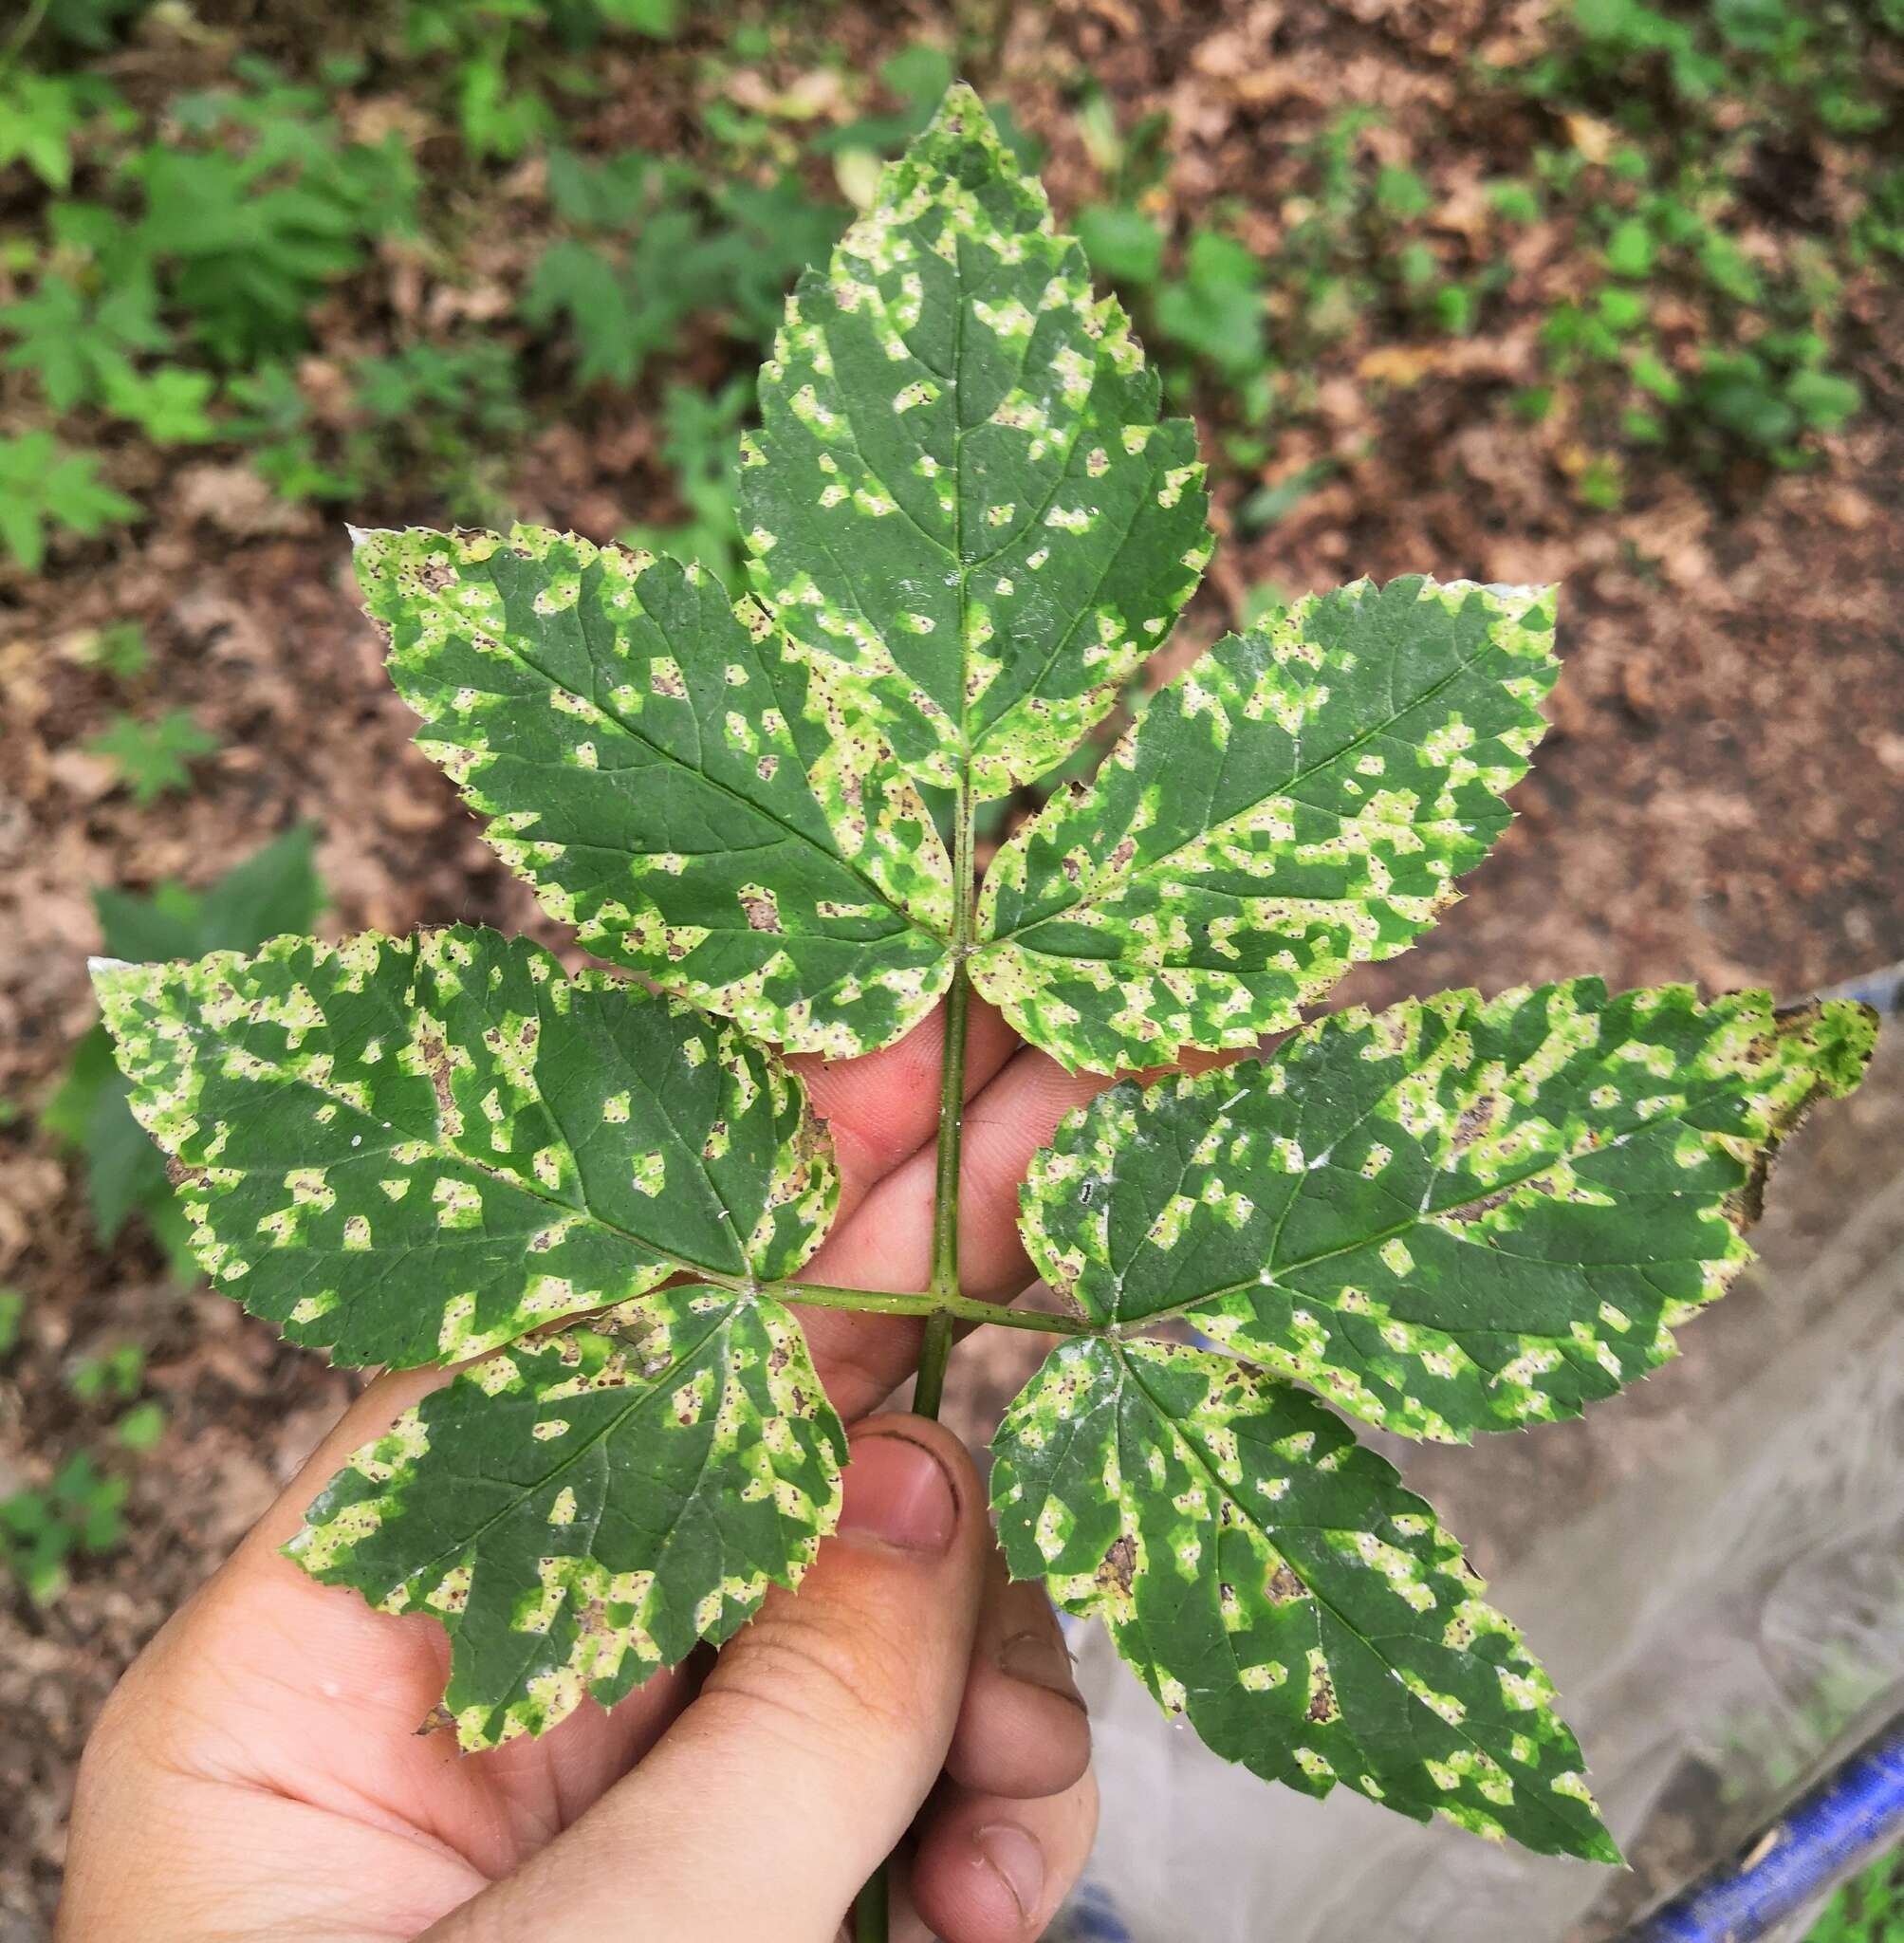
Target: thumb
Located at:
point(812, 1745)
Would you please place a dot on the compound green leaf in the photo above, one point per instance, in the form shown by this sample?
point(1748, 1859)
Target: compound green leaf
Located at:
point(692, 800)
point(410, 1150)
point(1301, 798)
point(960, 497)
point(1459, 1215)
point(582, 1508)
point(1273, 1582)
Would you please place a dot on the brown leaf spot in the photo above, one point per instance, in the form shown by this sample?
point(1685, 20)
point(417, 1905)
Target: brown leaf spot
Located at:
point(1120, 1564)
point(1283, 1587)
point(1475, 1120)
point(435, 1057)
point(1323, 1696)
point(1472, 1210)
point(761, 916)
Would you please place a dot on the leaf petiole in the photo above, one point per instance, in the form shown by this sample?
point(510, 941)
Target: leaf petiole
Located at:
point(881, 1302)
point(870, 1908)
point(935, 1349)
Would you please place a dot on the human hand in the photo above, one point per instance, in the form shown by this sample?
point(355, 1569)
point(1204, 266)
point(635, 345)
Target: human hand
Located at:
point(259, 1774)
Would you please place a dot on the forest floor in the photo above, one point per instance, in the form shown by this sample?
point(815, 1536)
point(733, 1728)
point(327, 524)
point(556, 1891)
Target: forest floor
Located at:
point(1719, 798)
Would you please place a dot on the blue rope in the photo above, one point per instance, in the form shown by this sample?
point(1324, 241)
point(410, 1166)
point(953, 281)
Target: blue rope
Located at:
point(1851, 1817)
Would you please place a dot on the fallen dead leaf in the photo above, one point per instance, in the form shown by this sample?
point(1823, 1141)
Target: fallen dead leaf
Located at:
point(235, 500)
point(1594, 139)
point(1400, 364)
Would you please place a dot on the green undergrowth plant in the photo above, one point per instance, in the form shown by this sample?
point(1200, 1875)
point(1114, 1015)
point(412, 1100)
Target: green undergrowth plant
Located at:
point(43, 1529)
point(1869, 1908)
point(648, 244)
point(699, 430)
point(152, 759)
point(966, 529)
point(77, 1510)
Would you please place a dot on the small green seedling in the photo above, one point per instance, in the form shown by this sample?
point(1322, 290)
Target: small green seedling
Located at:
point(119, 651)
point(140, 1427)
point(40, 1530)
point(12, 1313)
point(46, 488)
point(78, 1511)
point(114, 1373)
point(967, 531)
point(153, 758)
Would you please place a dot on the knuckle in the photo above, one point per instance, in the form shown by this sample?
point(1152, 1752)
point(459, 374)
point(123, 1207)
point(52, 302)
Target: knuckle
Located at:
point(857, 1687)
point(1087, 1798)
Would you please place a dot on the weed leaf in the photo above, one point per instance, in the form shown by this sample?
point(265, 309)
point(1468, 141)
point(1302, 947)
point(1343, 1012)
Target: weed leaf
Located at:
point(411, 1151)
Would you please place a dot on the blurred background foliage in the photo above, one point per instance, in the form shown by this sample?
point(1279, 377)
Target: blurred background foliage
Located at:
point(375, 260)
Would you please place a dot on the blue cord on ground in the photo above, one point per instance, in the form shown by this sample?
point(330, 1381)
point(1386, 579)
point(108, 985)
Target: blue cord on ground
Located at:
point(1851, 1817)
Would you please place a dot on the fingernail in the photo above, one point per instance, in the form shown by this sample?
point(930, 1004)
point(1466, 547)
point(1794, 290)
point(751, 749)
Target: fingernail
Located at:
point(1016, 1861)
point(898, 1492)
point(1038, 1657)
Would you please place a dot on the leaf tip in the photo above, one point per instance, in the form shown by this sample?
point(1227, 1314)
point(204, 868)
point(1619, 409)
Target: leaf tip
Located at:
point(1842, 1035)
point(1601, 1847)
point(959, 108)
point(114, 980)
point(371, 546)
